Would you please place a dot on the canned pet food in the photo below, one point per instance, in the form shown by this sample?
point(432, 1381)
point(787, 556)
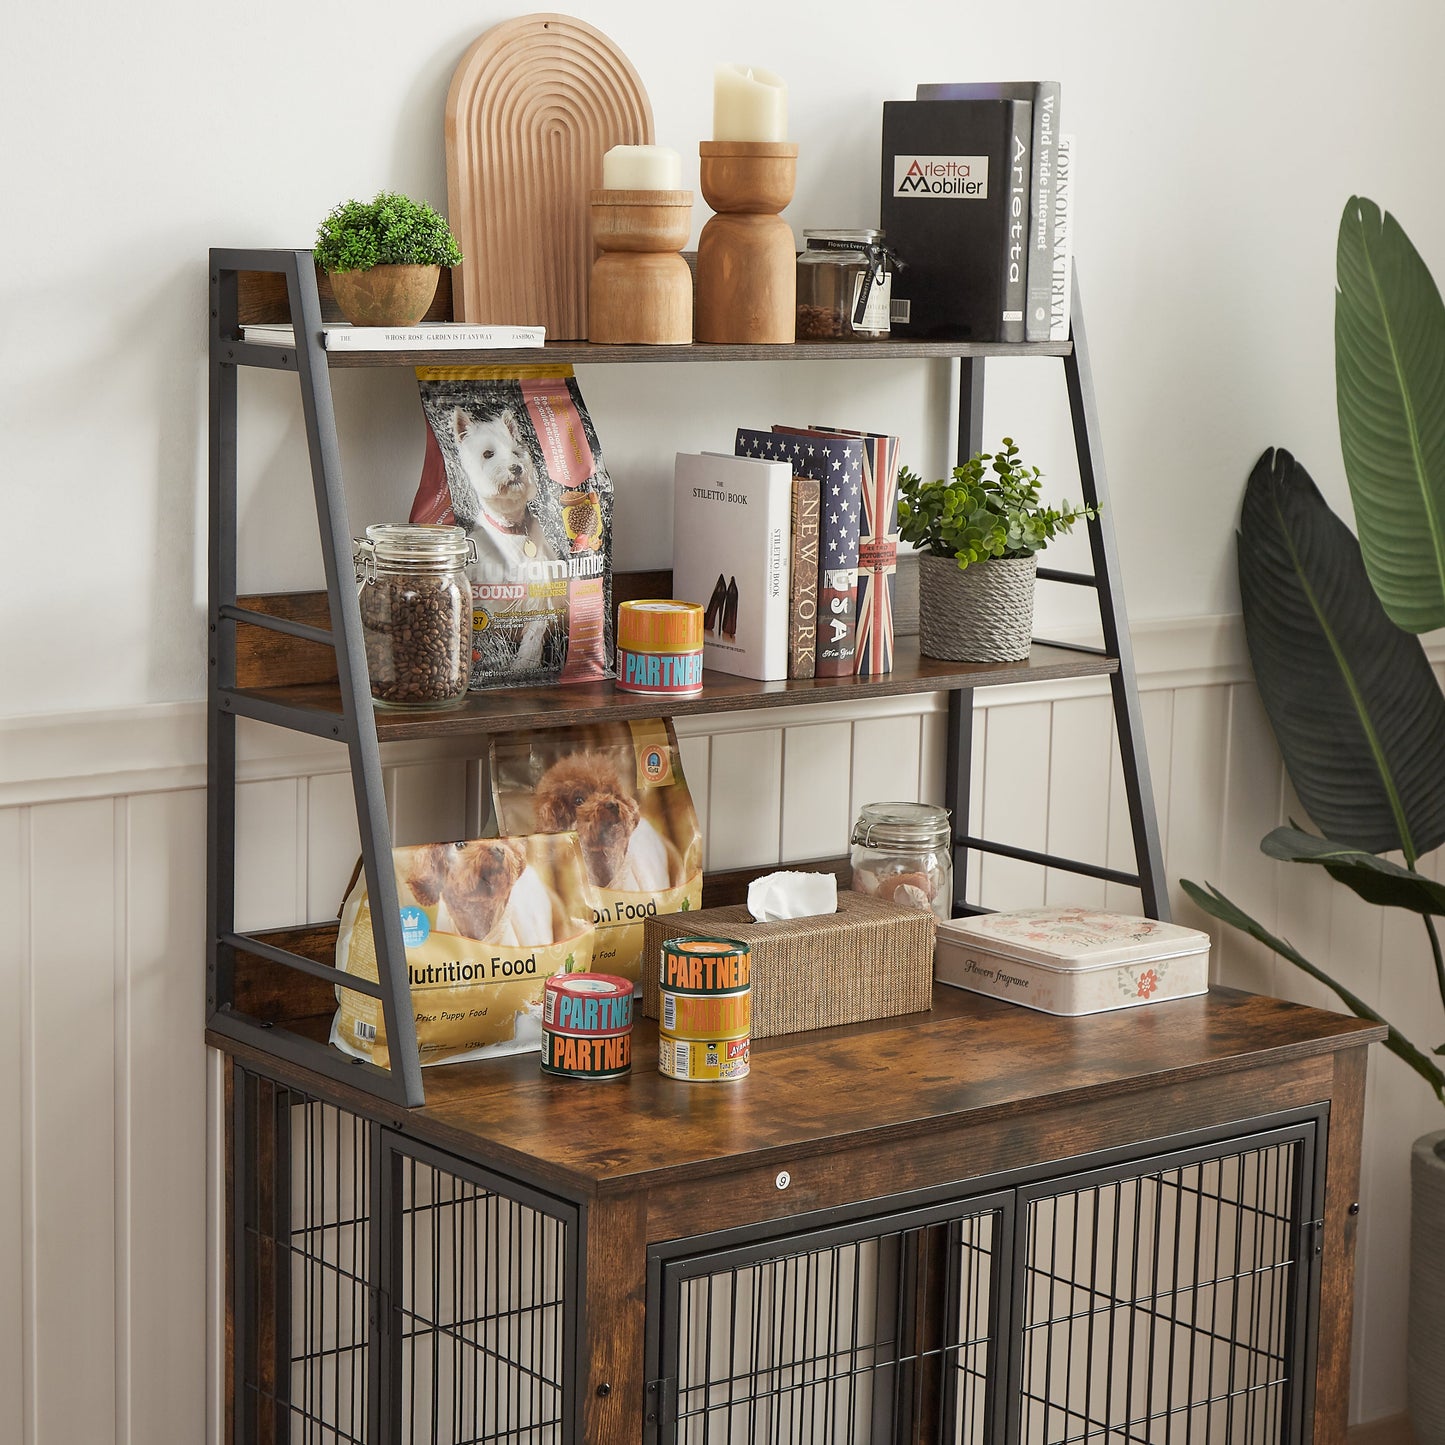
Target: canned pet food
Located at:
point(706, 1015)
point(591, 1004)
point(705, 965)
point(574, 1056)
point(659, 647)
point(702, 1061)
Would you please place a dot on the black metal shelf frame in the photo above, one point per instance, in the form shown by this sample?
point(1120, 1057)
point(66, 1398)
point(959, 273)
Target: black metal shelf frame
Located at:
point(355, 726)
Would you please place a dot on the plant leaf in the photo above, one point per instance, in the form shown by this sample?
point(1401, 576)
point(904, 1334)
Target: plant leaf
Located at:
point(1355, 707)
point(1376, 880)
point(1218, 906)
point(1390, 398)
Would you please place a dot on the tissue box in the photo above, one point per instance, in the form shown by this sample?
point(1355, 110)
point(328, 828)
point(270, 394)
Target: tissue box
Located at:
point(869, 960)
point(1073, 961)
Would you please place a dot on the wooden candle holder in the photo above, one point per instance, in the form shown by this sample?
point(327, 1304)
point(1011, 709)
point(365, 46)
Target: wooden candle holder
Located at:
point(747, 260)
point(641, 290)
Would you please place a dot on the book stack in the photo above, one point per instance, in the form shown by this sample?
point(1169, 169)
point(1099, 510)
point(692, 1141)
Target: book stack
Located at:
point(977, 198)
point(790, 545)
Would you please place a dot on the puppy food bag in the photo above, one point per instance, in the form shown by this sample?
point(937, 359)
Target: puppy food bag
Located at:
point(620, 787)
point(512, 456)
point(486, 923)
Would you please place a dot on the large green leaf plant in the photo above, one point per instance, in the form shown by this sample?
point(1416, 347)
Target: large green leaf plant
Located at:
point(1331, 621)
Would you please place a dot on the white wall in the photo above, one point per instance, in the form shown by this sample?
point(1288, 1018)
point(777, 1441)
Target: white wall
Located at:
point(1219, 144)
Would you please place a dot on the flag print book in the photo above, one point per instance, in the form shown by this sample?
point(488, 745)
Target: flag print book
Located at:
point(877, 551)
point(836, 464)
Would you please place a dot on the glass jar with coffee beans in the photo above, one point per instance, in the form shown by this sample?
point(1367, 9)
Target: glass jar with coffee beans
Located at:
point(416, 613)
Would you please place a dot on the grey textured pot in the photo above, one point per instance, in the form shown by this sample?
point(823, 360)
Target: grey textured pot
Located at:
point(984, 613)
point(1426, 1341)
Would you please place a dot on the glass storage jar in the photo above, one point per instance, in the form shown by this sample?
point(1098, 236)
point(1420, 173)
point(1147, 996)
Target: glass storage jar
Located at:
point(904, 852)
point(845, 286)
point(416, 613)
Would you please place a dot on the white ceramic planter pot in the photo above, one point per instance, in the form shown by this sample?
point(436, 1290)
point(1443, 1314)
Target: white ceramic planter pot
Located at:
point(984, 613)
point(1426, 1343)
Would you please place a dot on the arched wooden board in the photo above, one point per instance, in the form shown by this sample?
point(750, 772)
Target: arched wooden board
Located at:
point(532, 108)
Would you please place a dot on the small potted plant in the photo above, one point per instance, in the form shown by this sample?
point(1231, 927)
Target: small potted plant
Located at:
point(384, 257)
point(979, 533)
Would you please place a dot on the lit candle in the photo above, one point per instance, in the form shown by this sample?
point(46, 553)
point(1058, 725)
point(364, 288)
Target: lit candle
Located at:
point(641, 168)
point(749, 104)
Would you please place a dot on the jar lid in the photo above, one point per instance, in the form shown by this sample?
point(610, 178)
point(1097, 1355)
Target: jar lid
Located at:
point(417, 542)
point(886, 825)
point(860, 237)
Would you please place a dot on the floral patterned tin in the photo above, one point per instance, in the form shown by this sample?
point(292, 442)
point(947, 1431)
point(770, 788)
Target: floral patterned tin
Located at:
point(1072, 960)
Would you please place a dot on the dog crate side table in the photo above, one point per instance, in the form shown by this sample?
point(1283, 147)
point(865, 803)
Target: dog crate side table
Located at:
point(980, 1225)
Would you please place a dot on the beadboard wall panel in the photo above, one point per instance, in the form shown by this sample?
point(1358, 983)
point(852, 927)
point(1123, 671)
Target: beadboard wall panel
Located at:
point(77, 916)
point(110, 1242)
point(15, 1134)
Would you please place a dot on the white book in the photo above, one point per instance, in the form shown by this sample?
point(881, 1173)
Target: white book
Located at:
point(1061, 295)
point(432, 336)
point(730, 553)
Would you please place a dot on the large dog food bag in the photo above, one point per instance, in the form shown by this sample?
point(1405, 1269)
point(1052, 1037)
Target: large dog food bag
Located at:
point(620, 787)
point(486, 923)
point(512, 456)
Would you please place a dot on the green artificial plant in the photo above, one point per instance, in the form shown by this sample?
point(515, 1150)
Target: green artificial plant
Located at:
point(988, 508)
point(388, 230)
point(1350, 694)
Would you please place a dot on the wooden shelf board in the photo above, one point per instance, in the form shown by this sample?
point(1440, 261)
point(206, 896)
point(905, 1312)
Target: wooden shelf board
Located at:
point(581, 353)
point(504, 710)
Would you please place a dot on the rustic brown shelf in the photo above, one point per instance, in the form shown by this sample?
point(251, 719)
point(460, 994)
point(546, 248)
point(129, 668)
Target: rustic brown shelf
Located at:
point(506, 710)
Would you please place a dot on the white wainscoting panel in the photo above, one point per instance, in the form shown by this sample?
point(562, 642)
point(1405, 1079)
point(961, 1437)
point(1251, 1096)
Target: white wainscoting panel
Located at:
point(111, 1228)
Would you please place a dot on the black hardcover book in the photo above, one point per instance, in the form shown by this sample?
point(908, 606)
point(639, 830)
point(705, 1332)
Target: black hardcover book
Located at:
point(1046, 97)
point(955, 207)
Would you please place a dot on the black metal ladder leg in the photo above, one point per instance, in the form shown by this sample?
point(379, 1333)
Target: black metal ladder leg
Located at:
point(1128, 716)
point(958, 754)
point(360, 720)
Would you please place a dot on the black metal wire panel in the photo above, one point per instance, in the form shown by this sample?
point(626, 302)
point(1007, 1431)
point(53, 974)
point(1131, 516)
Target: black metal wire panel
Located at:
point(481, 1314)
point(304, 1270)
point(837, 1343)
point(1162, 1307)
point(380, 1299)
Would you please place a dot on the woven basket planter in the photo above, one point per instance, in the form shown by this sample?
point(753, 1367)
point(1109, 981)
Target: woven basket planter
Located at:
point(984, 613)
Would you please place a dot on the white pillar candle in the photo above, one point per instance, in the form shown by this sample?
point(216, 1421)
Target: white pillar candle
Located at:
point(749, 104)
point(641, 168)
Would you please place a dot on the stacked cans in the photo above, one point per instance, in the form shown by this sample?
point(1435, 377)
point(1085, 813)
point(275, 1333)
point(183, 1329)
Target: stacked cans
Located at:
point(705, 1009)
point(587, 1026)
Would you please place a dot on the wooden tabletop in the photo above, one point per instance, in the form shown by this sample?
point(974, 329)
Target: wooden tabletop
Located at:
point(809, 1094)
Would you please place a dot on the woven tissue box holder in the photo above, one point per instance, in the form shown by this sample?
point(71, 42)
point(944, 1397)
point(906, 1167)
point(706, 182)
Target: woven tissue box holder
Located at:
point(869, 960)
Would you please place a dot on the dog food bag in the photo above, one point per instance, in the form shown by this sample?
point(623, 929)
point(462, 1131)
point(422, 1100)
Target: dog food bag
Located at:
point(620, 787)
point(512, 456)
point(486, 923)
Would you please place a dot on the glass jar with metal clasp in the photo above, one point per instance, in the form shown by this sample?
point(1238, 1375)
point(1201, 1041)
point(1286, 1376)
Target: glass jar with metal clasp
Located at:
point(904, 852)
point(845, 286)
point(416, 613)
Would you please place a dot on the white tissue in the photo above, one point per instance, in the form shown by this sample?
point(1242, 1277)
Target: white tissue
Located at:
point(792, 895)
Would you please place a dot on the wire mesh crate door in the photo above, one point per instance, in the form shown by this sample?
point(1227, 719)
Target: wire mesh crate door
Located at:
point(1165, 1302)
point(386, 1294)
point(833, 1335)
point(301, 1174)
point(482, 1314)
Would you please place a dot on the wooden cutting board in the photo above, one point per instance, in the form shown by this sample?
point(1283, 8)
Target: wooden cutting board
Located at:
point(533, 106)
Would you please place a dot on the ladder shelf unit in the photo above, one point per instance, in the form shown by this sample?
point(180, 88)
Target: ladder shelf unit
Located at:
point(298, 661)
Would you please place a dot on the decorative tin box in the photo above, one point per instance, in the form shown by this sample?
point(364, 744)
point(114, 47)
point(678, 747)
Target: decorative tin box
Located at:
point(869, 960)
point(1072, 960)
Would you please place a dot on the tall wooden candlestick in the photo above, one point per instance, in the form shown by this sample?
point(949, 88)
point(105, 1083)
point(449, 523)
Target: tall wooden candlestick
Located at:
point(641, 288)
point(746, 257)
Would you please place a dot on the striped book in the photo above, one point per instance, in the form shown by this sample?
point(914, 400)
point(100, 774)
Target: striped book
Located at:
point(877, 552)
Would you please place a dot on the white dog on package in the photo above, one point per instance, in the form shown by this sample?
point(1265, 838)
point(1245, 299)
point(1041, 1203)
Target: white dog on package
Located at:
point(492, 498)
